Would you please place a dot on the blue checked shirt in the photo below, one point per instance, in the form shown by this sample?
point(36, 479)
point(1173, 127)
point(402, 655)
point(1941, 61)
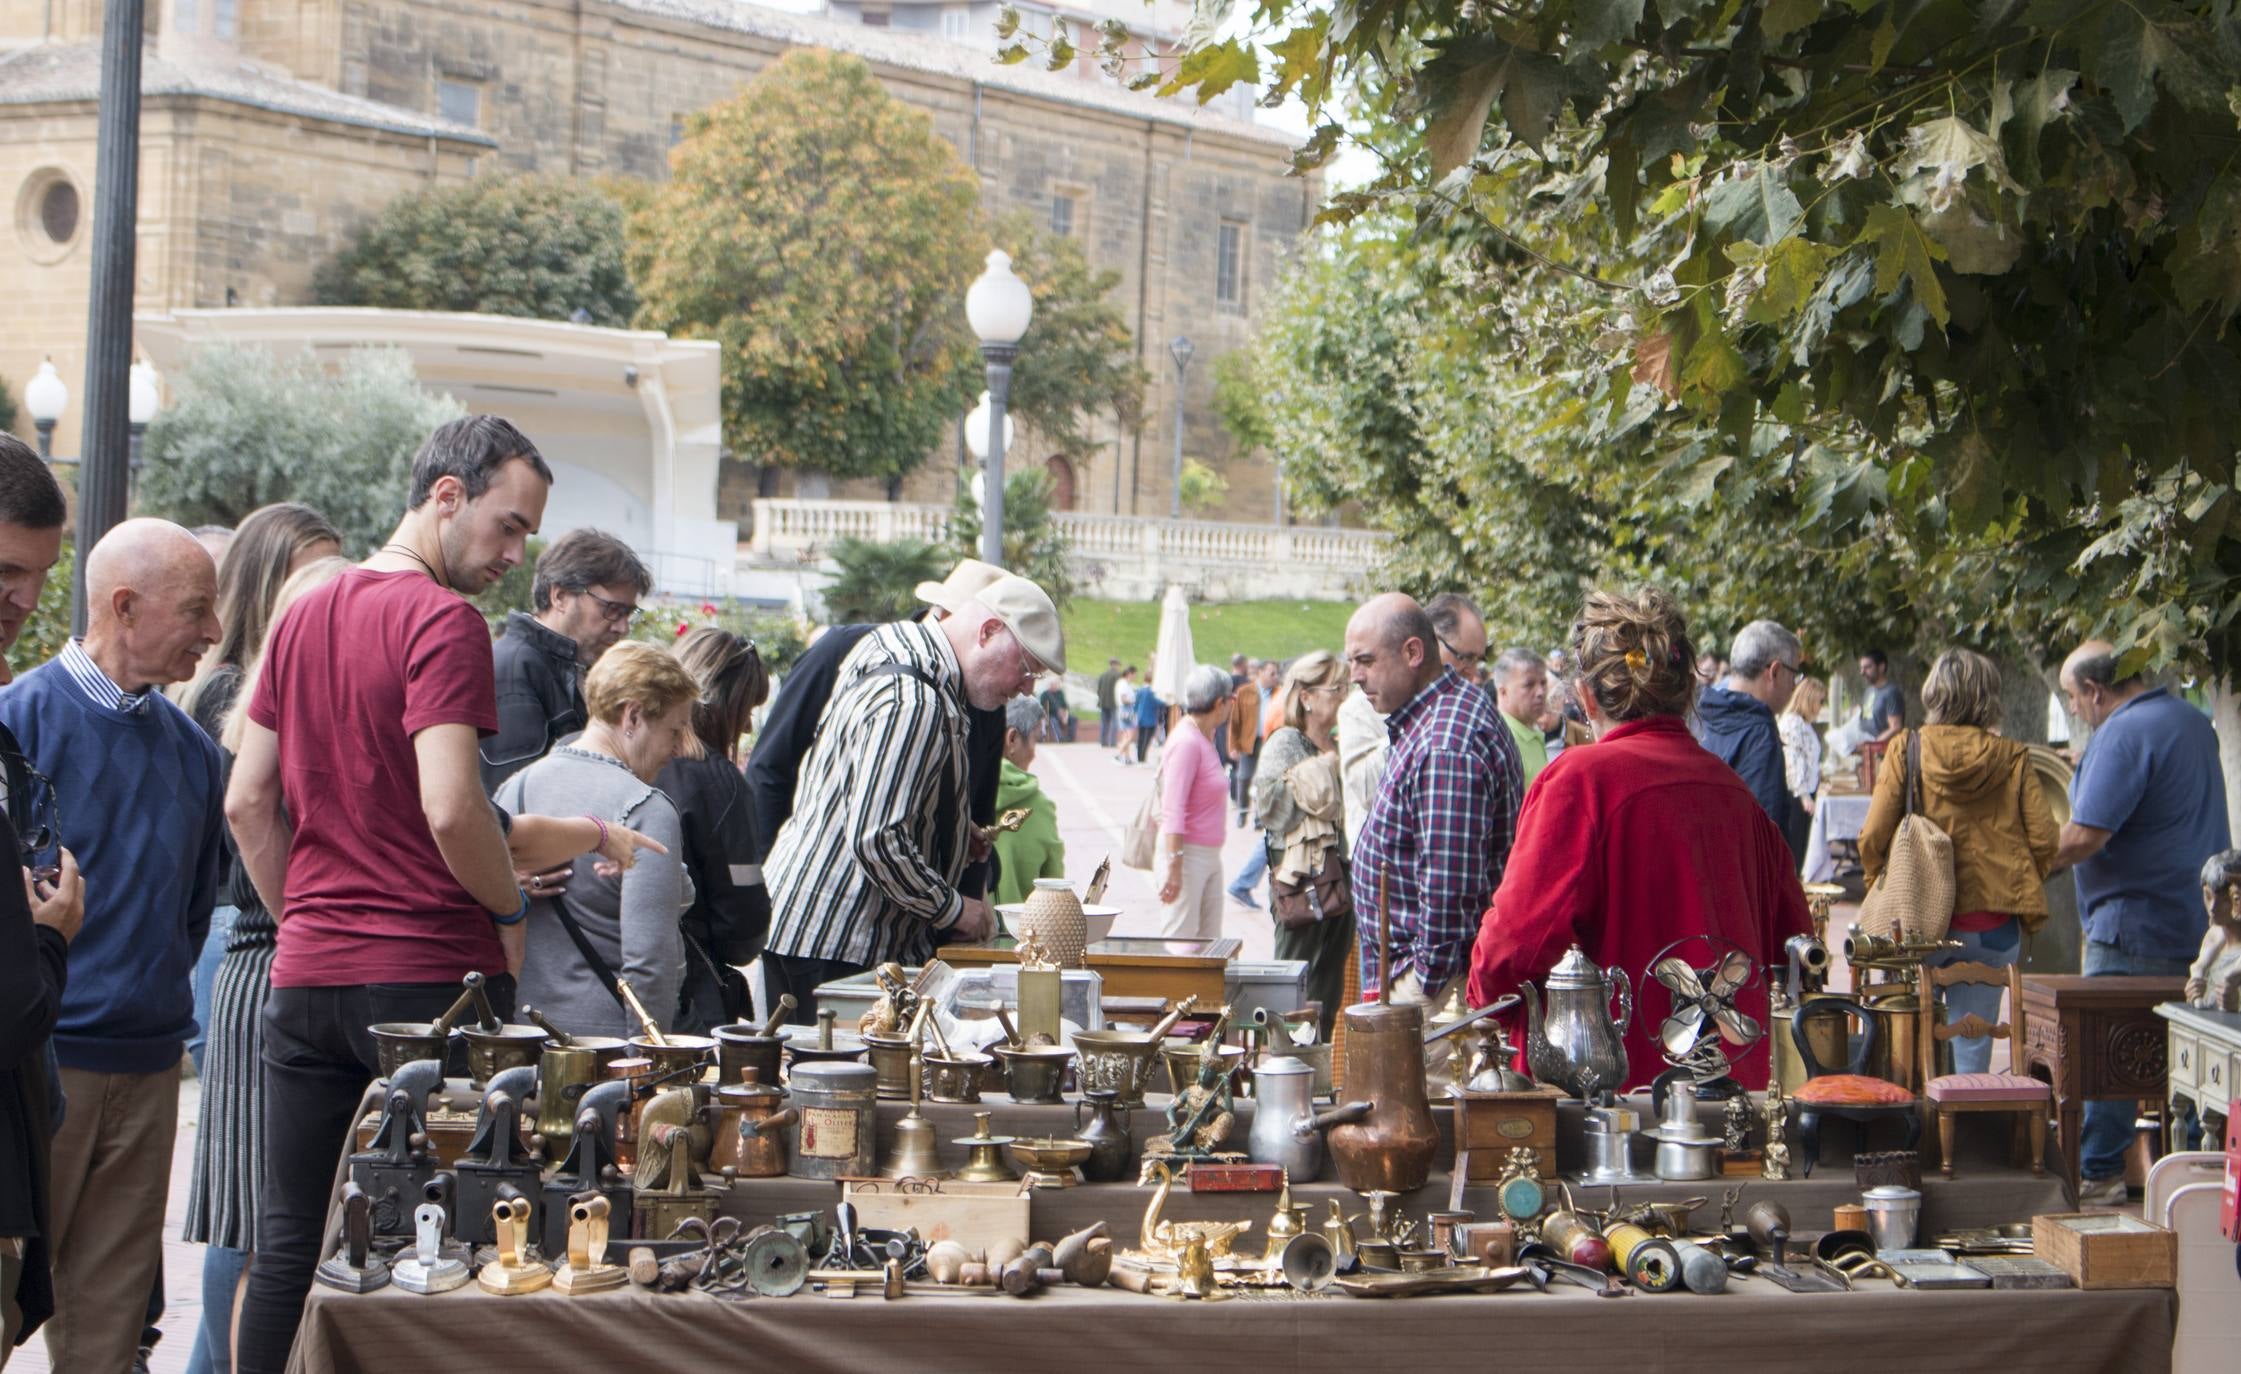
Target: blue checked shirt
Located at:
point(1439, 832)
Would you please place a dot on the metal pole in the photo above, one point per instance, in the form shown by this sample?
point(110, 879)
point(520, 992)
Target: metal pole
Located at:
point(103, 470)
point(1175, 487)
point(999, 358)
point(46, 438)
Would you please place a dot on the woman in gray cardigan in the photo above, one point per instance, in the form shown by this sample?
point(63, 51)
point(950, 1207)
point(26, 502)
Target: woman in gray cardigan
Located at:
point(640, 699)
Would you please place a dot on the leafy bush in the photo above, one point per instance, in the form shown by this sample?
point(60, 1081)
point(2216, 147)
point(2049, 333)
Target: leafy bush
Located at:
point(48, 627)
point(1033, 546)
point(1203, 488)
point(778, 636)
point(249, 428)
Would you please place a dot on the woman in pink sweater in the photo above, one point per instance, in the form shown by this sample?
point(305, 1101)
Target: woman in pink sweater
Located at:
point(1194, 792)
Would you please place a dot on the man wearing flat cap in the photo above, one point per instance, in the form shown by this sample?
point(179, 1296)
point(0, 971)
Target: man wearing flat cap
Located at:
point(869, 865)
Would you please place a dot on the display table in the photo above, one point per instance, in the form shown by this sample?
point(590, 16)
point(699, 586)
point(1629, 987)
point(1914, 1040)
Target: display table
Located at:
point(1836, 816)
point(1133, 966)
point(1754, 1326)
point(2094, 1038)
point(2204, 1052)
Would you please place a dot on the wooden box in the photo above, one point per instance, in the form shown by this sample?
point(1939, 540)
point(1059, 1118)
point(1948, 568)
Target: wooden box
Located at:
point(2107, 1249)
point(976, 1215)
point(1490, 1125)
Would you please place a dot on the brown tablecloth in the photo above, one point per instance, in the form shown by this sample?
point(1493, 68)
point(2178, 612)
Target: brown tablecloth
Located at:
point(1754, 1326)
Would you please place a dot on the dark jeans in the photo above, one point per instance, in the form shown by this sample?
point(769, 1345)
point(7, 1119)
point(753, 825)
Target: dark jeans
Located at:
point(1108, 726)
point(1241, 784)
point(784, 973)
point(318, 1058)
point(1144, 735)
point(2105, 1133)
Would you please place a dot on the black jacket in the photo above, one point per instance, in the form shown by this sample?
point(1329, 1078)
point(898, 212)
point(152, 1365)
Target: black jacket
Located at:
point(774, 765)
point(540, 697)
point(730, 914)
point(33, 964)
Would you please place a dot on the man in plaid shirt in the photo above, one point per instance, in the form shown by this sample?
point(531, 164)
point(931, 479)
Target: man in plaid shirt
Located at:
point(1440, 830)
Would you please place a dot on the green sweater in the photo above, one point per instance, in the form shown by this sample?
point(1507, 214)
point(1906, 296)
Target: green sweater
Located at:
point(1034, 850)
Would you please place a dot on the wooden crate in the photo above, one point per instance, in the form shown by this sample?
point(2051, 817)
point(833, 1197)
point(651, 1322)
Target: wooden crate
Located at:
point(1490, 1125)
point(976, 1215)
point(2107, 1249)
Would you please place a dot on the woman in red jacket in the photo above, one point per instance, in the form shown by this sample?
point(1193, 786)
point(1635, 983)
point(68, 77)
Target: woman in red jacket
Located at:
point(1627, 846)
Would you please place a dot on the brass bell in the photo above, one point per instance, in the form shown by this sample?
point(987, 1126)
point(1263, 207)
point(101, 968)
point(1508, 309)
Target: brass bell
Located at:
point(986, 1163)
point(916, 1155)
point(1290, 1221)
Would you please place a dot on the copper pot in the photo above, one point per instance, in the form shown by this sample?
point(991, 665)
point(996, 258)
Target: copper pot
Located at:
point(751, 1130)
point(1391, 1149)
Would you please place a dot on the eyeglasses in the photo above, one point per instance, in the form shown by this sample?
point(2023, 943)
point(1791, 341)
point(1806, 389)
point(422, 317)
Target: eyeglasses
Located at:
point(1478, 659)
point(614, 612)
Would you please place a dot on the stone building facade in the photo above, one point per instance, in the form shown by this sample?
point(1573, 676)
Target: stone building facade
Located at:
point(273, 127)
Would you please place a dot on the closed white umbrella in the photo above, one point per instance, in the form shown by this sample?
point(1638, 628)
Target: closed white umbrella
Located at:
point(1176, 658)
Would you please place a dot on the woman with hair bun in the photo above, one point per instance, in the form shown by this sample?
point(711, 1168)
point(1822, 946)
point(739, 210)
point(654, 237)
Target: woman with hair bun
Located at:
point(1646, 837)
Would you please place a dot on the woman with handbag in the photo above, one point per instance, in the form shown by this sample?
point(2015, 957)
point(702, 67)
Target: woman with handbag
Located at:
point(729, 918)
point(1982, 793)
point(597, 927)
point(1194, 794)
point(1300, 805)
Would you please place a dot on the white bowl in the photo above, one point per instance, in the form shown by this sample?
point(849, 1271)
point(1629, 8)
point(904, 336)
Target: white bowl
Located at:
point(1100, 919)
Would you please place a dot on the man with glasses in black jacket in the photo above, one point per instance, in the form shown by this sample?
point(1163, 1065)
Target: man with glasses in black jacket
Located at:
point(38, 917)
point(586, 594)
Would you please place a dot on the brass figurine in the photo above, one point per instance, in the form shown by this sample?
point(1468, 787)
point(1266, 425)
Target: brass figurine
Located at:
point(1735, 1131)
point(895, 1008)
point(1775, 1164)
point(1200, 1117)
point(1194, 1273)
point(1164, 1240)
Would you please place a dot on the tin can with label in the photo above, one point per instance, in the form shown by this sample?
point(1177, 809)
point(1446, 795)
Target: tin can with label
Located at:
point(837, 1106)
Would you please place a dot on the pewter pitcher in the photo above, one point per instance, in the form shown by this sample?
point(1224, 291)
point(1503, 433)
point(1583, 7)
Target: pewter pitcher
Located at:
point(1574, 1041)
point(1286, 1128)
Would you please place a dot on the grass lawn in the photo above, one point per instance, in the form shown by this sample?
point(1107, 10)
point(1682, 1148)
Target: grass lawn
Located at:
point(1129, 630)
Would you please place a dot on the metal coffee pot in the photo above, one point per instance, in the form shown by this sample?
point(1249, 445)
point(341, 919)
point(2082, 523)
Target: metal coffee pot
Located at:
point(1573, 1040)
point(1287, 1129)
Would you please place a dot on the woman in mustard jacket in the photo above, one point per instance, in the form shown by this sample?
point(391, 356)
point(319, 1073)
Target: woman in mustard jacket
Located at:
point(1980, 790)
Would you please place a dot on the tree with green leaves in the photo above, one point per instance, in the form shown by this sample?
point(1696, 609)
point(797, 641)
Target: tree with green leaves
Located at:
point(876, 582)
point(1956, 276)
point(1034, 546)
point(7, 407)
point(248, 428)
point(822, 233)
point(1077, 360)
point(541, 247)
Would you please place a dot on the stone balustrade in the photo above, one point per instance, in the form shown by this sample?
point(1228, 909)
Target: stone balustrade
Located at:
point(1118, 557)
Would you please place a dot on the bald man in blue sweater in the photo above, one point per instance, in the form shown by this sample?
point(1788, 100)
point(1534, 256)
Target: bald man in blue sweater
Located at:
point(137, 797)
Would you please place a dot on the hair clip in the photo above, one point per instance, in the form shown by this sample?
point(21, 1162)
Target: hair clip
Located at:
point(1637, 660)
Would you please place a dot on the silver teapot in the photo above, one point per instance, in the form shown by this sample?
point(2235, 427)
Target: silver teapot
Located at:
point(1574, 1041)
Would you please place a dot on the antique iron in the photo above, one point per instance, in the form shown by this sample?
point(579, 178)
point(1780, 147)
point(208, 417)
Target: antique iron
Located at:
point(354, 1268)
point(428, 1269)
point(496, 1158)
point(1287, 1130)
point(985, 1153)
point(586, 1269)
point(1392, 1146)
point(514, 1271)
point(395, 1166)
point(1572, 1039)
point(836, 1104)
point(589, 1167)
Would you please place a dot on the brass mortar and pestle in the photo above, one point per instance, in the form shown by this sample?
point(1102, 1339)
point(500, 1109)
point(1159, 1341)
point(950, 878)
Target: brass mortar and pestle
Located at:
point(1032, 1073)
point(742, 1046)
point(1120, 1062)
point(567, 1066)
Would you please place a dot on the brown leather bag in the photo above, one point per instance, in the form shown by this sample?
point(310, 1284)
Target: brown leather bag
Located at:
point(1327, 894)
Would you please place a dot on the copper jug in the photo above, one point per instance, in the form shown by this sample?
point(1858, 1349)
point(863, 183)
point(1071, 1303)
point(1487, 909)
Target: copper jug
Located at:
point(751, 1135)
point(1390, 1149)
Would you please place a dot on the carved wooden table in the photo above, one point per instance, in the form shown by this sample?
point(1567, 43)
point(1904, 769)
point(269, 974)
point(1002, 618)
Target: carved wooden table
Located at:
point(2094, 1038)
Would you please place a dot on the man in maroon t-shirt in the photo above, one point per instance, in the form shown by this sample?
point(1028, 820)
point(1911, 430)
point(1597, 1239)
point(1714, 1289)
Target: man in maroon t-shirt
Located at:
point(387, 868)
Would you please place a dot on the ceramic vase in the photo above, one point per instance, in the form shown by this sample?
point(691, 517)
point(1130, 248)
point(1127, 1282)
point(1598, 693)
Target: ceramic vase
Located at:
point(1055, 915)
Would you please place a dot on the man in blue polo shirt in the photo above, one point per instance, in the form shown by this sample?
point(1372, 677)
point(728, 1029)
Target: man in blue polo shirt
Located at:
point(2146, 808)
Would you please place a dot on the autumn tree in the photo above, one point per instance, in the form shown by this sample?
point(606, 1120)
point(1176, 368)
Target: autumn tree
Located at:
point(541, 247)
point(822, 233)
point(1078, 359)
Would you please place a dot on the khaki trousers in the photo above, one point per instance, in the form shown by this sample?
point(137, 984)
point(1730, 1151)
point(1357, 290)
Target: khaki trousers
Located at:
point(1196, 912)
point(112, 1168)
point(11, 1274)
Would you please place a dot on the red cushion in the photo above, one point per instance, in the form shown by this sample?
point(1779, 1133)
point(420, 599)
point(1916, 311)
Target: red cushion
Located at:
point(1986, 1087)
point(1851, 1090)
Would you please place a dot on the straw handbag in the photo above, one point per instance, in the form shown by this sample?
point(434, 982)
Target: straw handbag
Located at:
point(1913, 899)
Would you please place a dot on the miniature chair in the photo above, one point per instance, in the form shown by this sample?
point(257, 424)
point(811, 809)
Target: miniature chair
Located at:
point(1851, 1093)
point(1953, 1093)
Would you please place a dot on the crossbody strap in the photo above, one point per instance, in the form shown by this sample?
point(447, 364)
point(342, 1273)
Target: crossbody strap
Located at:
point(600, 968)
point(1913, 771)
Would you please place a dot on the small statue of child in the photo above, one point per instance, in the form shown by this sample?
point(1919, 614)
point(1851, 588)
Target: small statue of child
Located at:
point(2214, 979)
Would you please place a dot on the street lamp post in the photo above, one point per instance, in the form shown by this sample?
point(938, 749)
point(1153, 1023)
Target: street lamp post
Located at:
point(1180, 351)
point(46, 397)
point(999, 306)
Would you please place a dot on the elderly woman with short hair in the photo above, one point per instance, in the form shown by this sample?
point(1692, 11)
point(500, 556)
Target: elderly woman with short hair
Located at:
point(1981, 790)
point(1194, 795)
point(596, 928)
point(1034, 849)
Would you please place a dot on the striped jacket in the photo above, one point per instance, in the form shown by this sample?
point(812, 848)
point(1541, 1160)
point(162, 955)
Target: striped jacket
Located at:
point(858, 874)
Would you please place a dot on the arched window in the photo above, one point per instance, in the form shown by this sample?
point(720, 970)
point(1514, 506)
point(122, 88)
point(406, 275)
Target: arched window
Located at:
point(1061, 470)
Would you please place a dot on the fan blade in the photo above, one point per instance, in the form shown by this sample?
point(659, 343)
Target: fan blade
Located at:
point(1736, 1028)
point(1732, 972)
point(1682, 1030)
point(1675, 973)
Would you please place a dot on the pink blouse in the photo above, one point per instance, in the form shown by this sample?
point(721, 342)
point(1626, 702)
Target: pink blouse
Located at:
point(1195, 793)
